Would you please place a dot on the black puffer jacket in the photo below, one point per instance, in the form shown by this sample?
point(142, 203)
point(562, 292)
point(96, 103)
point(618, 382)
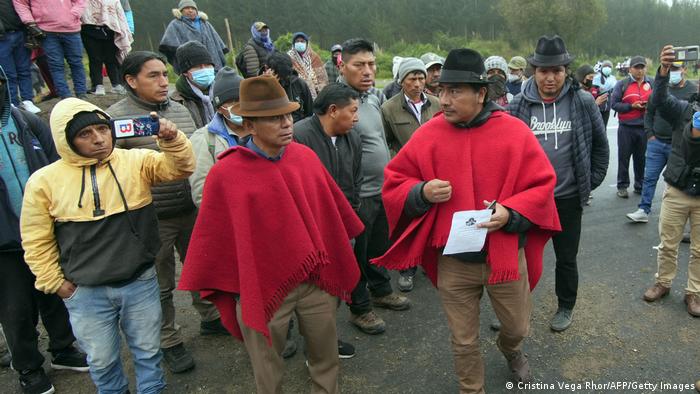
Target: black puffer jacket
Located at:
point(9, 20)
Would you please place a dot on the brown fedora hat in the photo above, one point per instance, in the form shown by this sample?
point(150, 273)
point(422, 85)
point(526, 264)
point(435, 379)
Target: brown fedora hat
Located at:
point(263, 96)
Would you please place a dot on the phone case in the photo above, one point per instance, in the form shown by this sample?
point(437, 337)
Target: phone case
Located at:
point(135, 127)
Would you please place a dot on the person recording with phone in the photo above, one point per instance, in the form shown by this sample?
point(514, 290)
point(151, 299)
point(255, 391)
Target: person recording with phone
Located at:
point(629, 100)
point(146, 81)
point(603, 84)
point(90, 234)
point(681, 200)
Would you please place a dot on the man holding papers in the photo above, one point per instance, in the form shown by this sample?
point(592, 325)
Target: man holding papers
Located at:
point(462, 160)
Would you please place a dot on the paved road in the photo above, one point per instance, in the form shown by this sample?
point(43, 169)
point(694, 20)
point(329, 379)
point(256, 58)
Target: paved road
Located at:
point(615, 337)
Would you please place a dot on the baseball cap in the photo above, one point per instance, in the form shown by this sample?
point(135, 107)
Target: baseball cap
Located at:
point(637, 60)
point(430, 59)
point(260, 25)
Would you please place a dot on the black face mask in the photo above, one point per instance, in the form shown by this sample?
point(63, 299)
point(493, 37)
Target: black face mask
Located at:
point(497, 87)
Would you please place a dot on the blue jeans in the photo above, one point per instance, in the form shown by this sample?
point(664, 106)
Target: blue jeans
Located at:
point(98, 312)
point(68, 46)
point(15, 59)
point(656, 158)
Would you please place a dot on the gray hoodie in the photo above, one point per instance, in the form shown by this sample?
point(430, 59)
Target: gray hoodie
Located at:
point(375, 151)
point(551, 123)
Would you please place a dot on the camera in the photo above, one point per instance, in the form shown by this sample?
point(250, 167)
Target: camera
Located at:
point(687, 54)
point(693, 187)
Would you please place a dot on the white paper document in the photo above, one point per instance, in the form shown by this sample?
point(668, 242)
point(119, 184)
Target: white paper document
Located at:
point(465, 236)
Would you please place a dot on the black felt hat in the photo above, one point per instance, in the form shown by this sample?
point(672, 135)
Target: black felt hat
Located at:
point(550, 52)
point(464, 66)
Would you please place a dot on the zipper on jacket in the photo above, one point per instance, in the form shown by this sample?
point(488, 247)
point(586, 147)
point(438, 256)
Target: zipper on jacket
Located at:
point(95, 192)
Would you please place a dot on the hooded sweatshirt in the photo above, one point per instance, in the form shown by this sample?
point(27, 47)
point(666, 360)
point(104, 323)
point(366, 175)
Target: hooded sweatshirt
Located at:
point(92, 221)
point(551, 123)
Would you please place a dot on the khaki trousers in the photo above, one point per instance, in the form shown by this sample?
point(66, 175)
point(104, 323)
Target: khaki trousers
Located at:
point(676, 208)
point(175, 234)
point(315, 310)
point(461, 286)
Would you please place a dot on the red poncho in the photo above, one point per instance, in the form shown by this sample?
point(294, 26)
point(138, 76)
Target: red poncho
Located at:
point(501, 160)
point(263, 228)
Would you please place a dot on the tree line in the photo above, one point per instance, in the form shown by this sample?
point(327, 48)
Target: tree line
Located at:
point(591, 28)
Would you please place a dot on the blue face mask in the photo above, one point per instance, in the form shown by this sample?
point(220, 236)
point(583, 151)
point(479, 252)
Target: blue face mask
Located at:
point(203, 77)
point(300, 47)
point(676, 77)
point(235, 119)
point(607, 71)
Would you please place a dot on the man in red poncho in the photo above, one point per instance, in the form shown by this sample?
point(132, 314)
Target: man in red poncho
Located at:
point(272, 239)
point(465, 158)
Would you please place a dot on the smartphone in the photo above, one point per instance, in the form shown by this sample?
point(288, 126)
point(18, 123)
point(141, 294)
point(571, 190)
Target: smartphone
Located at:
point(136, 127)
point(687, 54)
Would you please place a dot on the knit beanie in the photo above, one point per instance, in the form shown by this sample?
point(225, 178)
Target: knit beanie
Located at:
point(409, 65)
point(82, 120)
point(226, 86)
point(496, 62)
point(190, 54)
point(582, 71)
point(187, 3)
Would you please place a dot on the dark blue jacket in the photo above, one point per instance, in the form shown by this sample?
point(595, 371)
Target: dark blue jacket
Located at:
point(35, 136)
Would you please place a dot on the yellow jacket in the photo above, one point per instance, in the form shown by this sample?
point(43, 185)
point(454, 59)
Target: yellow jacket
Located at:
point(66, 190)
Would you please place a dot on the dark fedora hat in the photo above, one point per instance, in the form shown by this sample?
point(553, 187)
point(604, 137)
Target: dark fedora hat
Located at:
point(464, 66)
point(550, 52)
point(263, 96)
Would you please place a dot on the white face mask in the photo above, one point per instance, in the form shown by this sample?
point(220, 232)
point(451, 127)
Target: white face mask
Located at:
point(300, 47)
point(513, 77)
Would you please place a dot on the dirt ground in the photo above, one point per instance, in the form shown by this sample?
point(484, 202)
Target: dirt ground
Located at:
point(616, 337)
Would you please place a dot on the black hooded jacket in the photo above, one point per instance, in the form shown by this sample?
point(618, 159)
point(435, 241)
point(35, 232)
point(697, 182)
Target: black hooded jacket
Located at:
point(35, 137)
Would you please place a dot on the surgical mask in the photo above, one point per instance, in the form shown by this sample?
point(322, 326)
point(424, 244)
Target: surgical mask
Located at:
point(513, 78)
point(497, 87)
point(676, 77)
point(606, 71)
point(203, 77)
point(233, 118)
point(300, 47)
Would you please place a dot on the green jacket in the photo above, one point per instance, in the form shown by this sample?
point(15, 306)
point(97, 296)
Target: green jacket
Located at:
point(400, 122)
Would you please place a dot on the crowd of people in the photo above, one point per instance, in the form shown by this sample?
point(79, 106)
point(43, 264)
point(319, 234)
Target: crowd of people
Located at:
point(286, 185)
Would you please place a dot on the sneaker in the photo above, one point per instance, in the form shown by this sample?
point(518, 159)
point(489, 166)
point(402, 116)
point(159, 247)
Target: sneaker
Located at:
point(71, 359)
point(562, 319)
point(345, 350)
point(35, 382)
point(519, 367)
point(118, 89)
point(99, 90)
point(28, 105)
point(638, 216)
point(213, 327)
point(5, 359)
point(622, 193)
point(178, 359)
point(393, 301)
point(369, 323)
point(406, 282)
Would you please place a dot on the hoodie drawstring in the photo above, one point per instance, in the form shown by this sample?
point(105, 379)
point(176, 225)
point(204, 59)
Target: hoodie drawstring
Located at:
point(126, 206)
point(82, 190)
